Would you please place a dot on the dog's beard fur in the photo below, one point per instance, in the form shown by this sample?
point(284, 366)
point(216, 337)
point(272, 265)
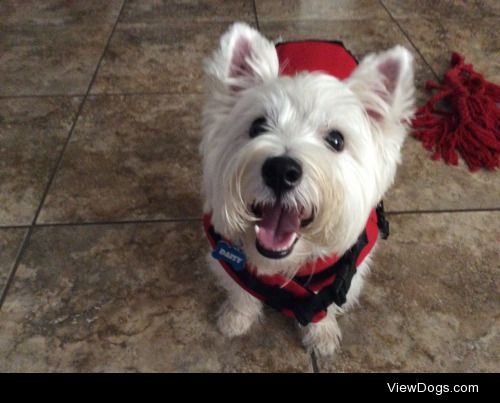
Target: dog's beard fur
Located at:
point(338, 189)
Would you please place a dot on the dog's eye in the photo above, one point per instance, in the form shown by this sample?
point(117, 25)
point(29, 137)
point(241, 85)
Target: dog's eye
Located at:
point(335, 140)
point(257, 127)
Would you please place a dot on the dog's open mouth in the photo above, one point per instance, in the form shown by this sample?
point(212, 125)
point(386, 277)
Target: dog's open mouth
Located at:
point(278, 229)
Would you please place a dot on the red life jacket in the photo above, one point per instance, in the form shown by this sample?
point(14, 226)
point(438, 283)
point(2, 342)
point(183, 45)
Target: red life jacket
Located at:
point(317, 284)
point(330, 57)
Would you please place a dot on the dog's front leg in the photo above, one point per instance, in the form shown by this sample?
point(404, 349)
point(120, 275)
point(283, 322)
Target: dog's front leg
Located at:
point(240, 310)
point(323, 337)
point(238, 313)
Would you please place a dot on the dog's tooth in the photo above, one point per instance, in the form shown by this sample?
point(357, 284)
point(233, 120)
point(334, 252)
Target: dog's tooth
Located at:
point(292, 240)
point(257, 229)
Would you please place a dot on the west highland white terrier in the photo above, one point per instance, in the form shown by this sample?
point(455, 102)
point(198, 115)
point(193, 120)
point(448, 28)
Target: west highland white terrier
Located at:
point(294, 168)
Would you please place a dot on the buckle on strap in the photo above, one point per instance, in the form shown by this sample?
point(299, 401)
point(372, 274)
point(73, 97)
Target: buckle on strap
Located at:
point(382, 223)
point(305, 309)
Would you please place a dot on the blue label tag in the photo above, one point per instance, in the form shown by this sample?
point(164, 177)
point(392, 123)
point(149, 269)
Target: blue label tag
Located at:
point(234, 256)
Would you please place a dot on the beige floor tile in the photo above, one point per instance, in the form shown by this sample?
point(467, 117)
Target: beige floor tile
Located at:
point(477, 39)
point(129, 298)
point(431, 303)
point(149, 11)
point(431, 8)
point(32, 134)
point(130, 157)
point(424, 184)
point(52, 48)
point(10, 242)
point(319, 9)
point(158, 57)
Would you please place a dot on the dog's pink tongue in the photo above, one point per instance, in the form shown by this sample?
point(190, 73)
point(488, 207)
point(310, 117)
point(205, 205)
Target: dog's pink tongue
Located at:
point(278, 227)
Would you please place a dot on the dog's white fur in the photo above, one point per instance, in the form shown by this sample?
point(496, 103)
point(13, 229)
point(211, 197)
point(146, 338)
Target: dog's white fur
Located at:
point(371, 108)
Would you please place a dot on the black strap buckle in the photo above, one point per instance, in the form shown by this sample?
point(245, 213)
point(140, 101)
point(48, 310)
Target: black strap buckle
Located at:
point(382, 223)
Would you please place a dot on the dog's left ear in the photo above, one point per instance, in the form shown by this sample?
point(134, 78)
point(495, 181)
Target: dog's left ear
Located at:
point(384, 84)
point(244, 59)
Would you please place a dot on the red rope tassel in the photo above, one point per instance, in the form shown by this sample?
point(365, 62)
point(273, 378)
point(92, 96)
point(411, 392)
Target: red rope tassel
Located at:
point(463, 116)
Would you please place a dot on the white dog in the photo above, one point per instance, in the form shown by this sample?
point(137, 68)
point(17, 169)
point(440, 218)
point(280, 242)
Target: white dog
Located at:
point(293, 167)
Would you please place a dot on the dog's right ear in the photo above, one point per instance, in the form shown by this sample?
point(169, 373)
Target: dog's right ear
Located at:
point(244, 59)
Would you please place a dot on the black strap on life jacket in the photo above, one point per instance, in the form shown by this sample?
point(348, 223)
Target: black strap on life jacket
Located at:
point(382, 223)
point(306, 308)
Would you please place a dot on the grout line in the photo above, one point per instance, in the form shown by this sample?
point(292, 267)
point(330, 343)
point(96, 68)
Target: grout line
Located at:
point(196, 219)
point(13, 268)
point(255, 14)
point(124, 222)
point(144, 93)
point(446, 211)
point(139, 93)
point(314, 362)
point(436, 76)
point(14, 226)
point(27, 237)
point(42, 96)
point(68, 138)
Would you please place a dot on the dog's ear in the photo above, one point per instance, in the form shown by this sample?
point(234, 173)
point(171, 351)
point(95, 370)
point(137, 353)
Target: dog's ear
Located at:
point(384, 84)
point(244, 59)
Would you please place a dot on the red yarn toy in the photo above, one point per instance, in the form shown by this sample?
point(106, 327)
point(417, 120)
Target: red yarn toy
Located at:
point(462, 116)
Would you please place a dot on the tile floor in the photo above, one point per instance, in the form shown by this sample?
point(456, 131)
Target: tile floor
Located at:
point(101, 248)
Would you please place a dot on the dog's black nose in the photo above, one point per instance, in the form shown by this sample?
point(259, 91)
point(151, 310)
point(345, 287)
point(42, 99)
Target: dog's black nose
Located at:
point(281, 174)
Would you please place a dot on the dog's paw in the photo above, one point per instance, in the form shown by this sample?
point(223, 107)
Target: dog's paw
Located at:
point(322, 347)
point(323, 338)
point(232, 322)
